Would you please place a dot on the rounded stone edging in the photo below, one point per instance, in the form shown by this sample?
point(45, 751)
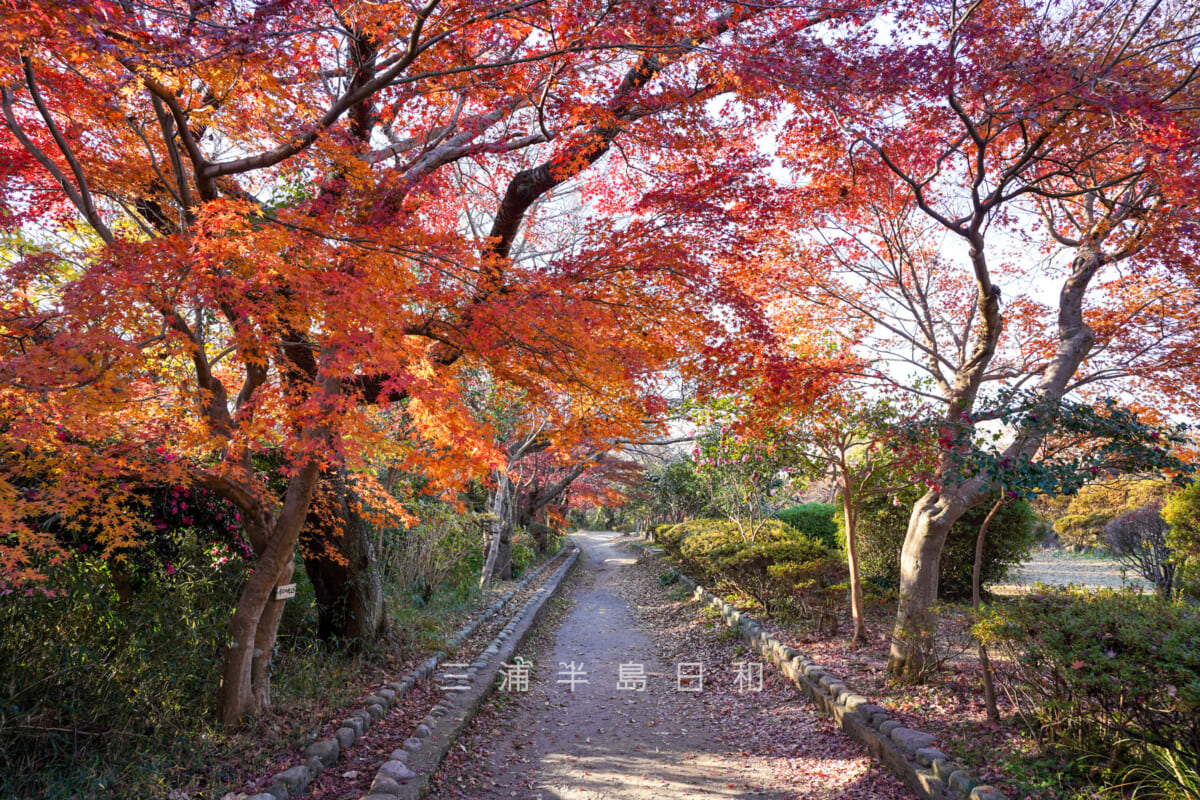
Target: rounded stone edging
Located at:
point(905, 751)
point(324, 753)
point(407, 772)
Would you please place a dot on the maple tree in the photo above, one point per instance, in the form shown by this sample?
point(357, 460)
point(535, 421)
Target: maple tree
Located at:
point(290, 230)
point(858, 439)
point(1084, 120)
point(546, 449)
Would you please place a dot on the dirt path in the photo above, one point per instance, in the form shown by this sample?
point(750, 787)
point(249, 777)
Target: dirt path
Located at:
point(602, 741)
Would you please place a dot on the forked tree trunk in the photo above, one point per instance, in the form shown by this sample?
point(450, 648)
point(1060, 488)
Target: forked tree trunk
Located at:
point(934, 513)
point(245, 671)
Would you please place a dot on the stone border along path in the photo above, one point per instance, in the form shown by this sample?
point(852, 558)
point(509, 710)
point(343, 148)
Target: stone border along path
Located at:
point(396, 778)
point(906, 752)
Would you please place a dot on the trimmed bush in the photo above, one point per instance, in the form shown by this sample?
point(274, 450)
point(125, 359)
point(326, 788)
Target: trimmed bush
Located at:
point(1098, 671)
point(748, 565)
point(656, 531)
point(816, 590)
point(782, 568)
point(816, 520)
point(881, 529)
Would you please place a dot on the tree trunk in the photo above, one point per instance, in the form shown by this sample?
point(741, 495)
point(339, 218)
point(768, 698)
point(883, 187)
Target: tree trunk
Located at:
point(245, 671)
point(935, 512)
point(914, 639)
point(989, 687)
point(499, 556)
point(342, 564)
point(856, 593)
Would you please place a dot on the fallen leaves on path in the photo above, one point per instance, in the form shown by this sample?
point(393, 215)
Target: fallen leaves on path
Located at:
point(601, 742)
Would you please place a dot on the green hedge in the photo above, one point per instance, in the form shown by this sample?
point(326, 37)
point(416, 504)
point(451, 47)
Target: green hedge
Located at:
point(882, 525)
point(782, 569)
point(817, 520)
point(1102, 672)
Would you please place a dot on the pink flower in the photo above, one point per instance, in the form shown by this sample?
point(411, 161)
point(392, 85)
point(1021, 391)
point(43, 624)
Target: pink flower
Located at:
point(170, 568)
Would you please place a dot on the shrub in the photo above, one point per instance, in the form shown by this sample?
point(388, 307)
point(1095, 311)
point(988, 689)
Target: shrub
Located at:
point(523, 553)
point(445, 547)
point(85, 668)
point(781, 568)
point(1182, 513)
point(1138, 539)
point(1082, 531)
point(1095, 671)
point(747, 565)
point(814, 589)
point(657, 531)
point(882, 525)
point(817, 520)
point(694, 540)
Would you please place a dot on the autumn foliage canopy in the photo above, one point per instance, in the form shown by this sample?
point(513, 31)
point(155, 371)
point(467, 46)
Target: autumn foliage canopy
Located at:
point(245, 244)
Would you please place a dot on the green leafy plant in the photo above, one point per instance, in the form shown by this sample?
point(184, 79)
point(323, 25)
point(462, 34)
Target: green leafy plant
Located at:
point(817, 520)
point(1182, 513)
point(1111, 672)
point(88, 672)
point(545, 538)
point(1165, 771)
point(445, 547)
point(884, 521)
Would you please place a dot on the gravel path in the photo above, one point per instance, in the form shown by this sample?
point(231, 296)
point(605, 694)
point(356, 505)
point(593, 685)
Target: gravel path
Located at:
point(601, 741)
point(1061, 567)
